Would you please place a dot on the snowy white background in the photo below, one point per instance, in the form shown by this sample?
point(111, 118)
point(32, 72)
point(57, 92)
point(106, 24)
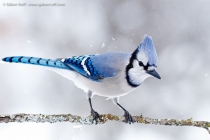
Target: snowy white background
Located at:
point(180, 31)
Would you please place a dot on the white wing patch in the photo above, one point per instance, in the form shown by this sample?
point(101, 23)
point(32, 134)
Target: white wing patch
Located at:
point(84, 66)
point(62, 60)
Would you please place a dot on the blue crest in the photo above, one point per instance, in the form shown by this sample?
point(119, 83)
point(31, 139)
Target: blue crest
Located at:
point(148, 48)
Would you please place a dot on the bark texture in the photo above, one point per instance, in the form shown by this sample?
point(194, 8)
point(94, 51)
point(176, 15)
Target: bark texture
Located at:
point(42, 118)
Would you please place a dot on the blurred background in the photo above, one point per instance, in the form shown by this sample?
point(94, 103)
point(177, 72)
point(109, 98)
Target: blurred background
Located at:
point(181, 34)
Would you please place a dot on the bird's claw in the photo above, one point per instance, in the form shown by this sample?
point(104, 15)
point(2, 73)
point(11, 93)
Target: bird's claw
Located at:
point(128, 117)
point(95, 115)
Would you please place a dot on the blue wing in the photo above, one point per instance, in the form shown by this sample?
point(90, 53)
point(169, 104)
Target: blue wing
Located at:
point(97, 67)
point(83, 65)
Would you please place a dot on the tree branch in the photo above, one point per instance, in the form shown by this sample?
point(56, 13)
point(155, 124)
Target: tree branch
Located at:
point(42, 118)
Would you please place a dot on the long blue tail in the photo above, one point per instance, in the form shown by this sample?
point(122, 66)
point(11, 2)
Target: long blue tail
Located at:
point(37, 61)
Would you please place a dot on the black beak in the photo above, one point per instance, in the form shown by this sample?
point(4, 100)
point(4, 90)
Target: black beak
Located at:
point(154, 73)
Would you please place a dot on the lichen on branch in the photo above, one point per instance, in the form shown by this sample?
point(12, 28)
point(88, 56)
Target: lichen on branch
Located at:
point(42, 118)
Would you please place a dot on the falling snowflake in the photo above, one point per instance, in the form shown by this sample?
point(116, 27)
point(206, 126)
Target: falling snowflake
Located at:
point(103, 45)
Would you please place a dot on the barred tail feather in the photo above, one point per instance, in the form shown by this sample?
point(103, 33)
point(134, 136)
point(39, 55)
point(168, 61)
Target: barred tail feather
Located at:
point(37, 61)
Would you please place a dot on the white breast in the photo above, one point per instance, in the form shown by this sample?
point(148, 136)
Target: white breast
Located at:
point(109, 87)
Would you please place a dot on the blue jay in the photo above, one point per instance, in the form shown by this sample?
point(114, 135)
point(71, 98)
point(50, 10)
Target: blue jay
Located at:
point(112, 74)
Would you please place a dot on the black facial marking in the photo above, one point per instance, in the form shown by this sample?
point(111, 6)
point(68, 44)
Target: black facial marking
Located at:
point(141, 64)
point(146, 67)
point(129, 66)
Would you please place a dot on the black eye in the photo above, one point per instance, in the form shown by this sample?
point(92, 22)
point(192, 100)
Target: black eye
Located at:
point(146, 67)
point(141, 64)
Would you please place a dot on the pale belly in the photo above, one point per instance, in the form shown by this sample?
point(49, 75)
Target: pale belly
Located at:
point(108, 87)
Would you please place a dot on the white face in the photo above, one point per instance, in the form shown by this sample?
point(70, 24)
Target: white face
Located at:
point(137, 74)
point(139, 68)
point(141, 56)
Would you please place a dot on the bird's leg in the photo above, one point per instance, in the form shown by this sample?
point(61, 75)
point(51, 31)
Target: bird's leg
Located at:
point(95, 114)
point(127, 115)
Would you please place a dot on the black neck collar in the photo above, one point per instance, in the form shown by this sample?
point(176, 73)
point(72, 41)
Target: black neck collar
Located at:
point(129, 66)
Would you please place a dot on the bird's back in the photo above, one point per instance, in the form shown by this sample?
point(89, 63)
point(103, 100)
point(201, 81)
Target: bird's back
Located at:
point(109, 64)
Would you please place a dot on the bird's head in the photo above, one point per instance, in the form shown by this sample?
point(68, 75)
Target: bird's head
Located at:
point(143, 63)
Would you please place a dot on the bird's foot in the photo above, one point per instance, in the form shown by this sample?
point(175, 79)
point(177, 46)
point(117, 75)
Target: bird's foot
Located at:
point(95, 115)
point(128, 117)
point(141, 116)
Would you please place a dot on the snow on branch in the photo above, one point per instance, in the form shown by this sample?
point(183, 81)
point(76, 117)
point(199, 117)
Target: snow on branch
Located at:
point(42, 118)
